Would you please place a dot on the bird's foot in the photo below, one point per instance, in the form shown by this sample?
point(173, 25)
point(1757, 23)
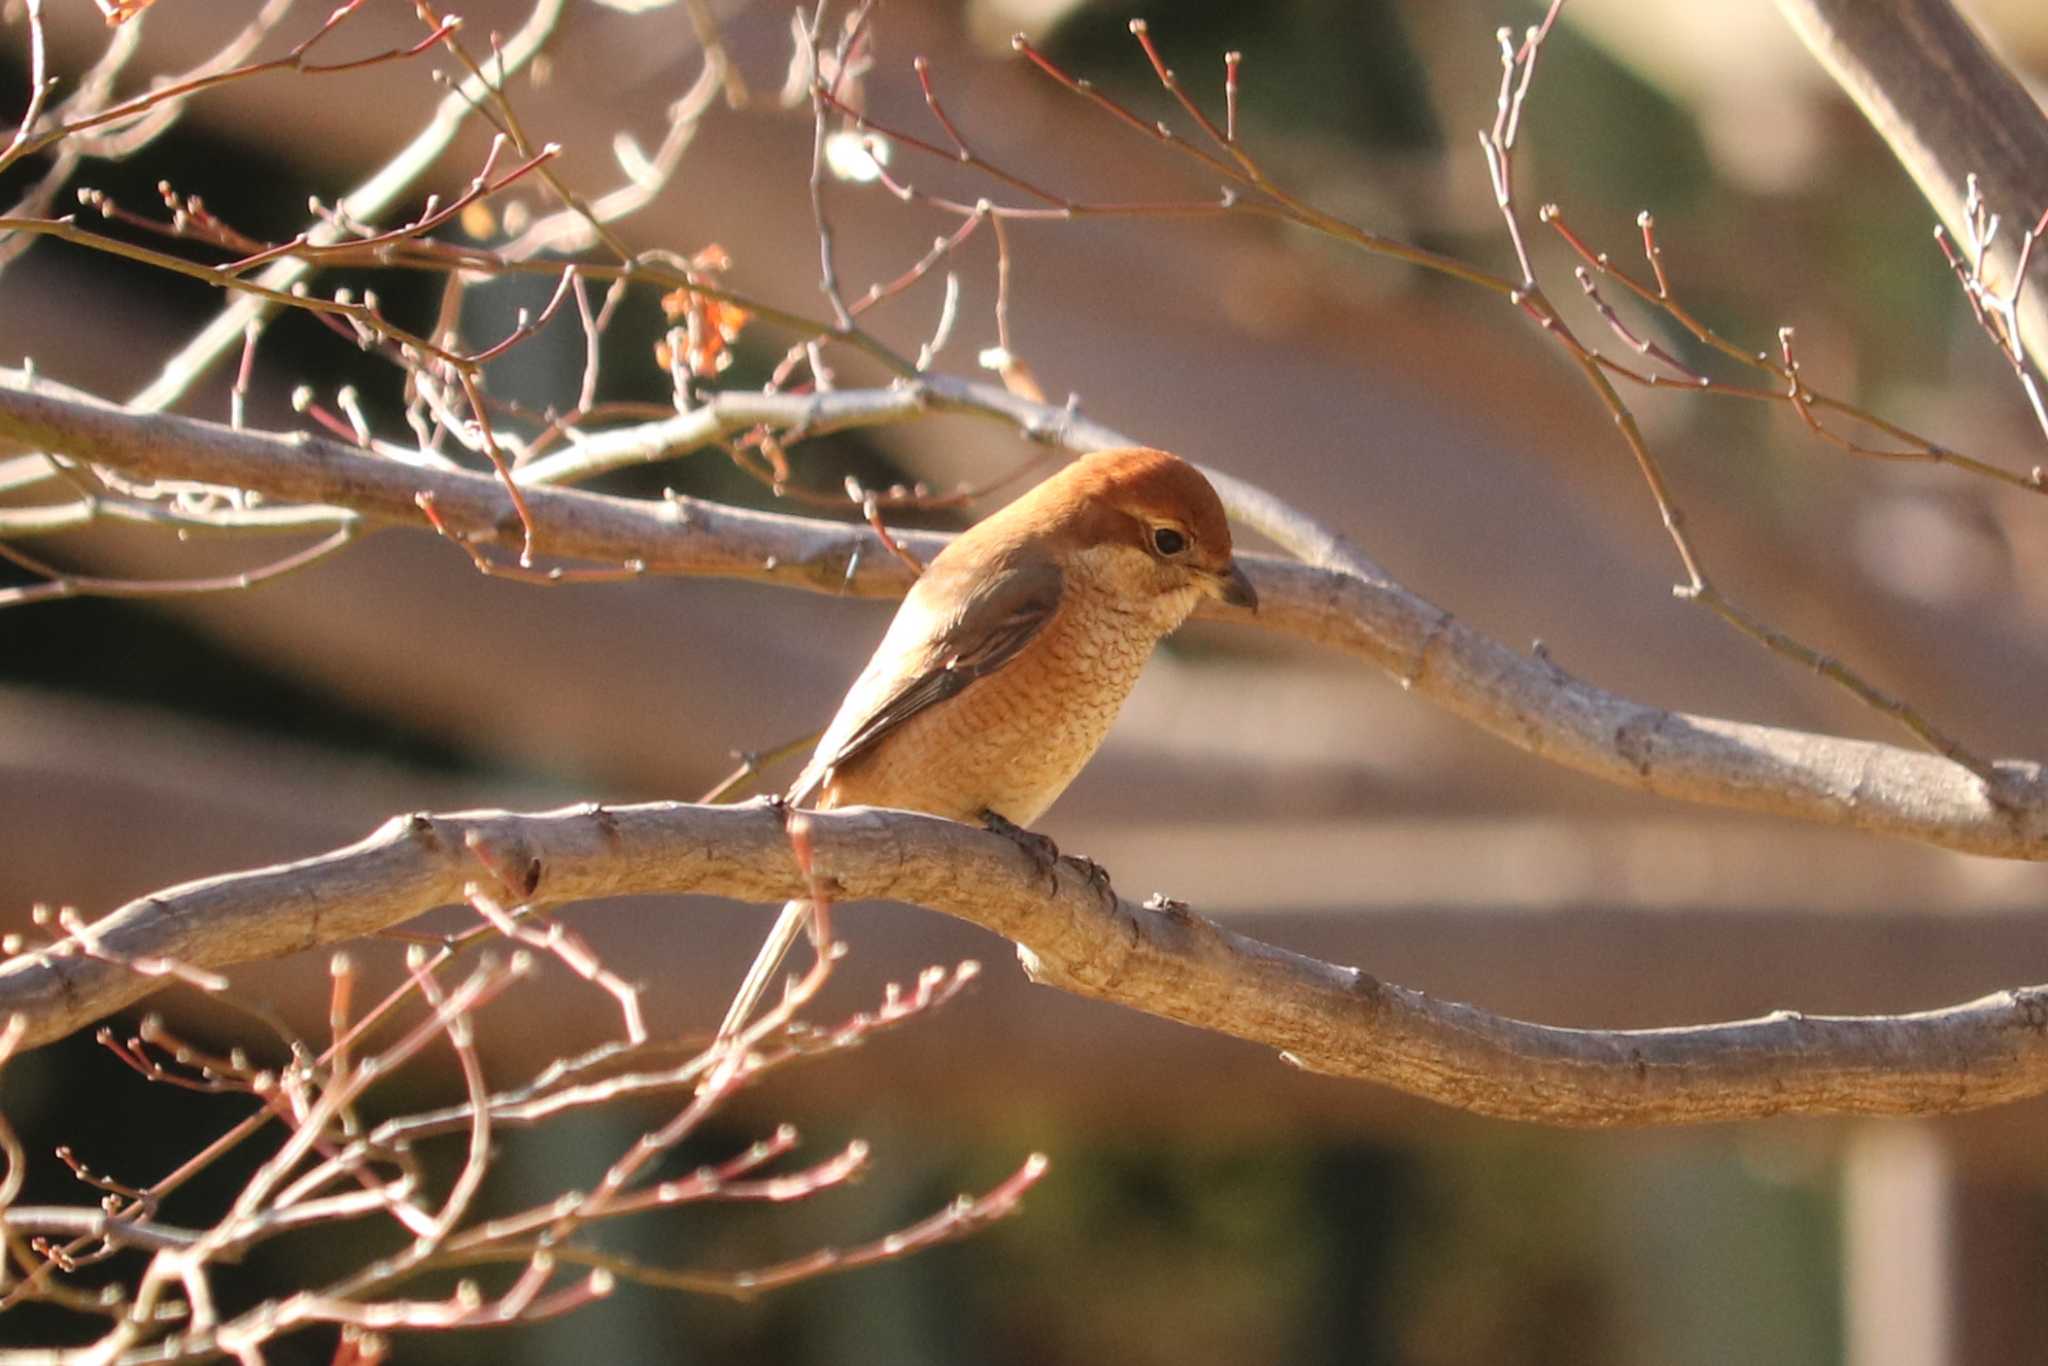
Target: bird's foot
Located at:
point(1095, 873)
point(1045, 853)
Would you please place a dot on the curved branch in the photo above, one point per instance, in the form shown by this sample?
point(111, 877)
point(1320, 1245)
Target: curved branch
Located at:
point(1161, 958)
point(1340, 599)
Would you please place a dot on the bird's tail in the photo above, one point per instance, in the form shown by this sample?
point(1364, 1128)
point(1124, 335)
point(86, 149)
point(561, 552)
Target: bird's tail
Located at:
point(795, 918)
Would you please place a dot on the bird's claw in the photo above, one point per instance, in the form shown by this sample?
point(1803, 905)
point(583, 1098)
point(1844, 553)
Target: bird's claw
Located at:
point(1096, 875)
point(1042, 850)
point(1046, 854)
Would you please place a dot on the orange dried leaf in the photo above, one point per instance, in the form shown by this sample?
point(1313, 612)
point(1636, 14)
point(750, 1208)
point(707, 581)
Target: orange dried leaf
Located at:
point(121, 11)
point(709, 325)
point(728, 318)
point(1019, 380)
point(724, 318)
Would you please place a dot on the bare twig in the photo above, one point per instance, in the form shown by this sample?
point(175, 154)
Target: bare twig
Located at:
point(963, 1216)
point(59, 583)
point(1806, 400)
point(367, 201)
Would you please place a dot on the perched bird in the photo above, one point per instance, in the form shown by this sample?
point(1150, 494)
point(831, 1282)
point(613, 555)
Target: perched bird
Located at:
point(1013, 651)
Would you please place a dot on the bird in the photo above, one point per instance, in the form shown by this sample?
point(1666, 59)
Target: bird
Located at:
point(1013, 652)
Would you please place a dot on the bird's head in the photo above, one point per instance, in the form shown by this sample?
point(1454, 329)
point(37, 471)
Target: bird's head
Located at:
point(1147, 527)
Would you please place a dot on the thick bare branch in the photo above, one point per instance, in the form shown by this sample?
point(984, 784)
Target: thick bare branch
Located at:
point(1161, 958)
point(1339, 599)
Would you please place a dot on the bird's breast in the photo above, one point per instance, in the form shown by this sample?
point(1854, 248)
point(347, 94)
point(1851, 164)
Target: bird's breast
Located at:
point(1012, 741)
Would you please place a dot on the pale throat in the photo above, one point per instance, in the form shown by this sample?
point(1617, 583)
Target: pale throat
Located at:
point(1122, 581)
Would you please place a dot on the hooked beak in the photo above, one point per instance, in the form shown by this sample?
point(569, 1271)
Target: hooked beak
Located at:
point(1235, 589)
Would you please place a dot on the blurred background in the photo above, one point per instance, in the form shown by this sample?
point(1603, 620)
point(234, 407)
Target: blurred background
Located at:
point(1205, 1202)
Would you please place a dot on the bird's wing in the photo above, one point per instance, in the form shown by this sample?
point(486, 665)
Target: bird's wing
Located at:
point(998, 618)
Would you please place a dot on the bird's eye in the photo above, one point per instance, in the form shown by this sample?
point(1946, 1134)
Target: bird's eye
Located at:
point(1167, 541)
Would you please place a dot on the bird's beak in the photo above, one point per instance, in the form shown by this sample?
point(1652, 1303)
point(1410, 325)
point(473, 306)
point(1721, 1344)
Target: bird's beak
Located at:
point(1235, 589)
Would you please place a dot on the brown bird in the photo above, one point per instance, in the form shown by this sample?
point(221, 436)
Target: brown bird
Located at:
point(1013, 651)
